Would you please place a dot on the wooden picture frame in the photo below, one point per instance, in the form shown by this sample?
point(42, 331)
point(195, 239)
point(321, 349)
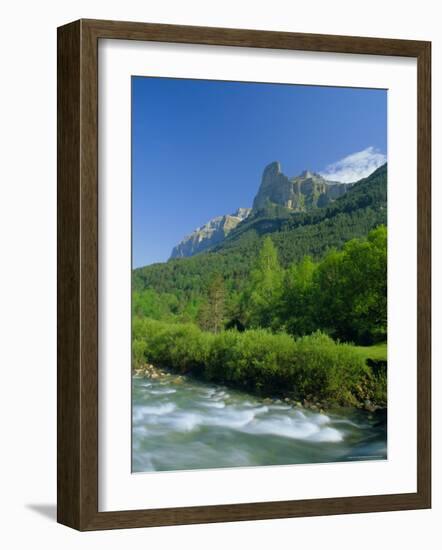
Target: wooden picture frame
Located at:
point(78, 274)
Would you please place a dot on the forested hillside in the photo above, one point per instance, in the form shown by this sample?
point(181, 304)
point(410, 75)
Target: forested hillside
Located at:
point(295, 235)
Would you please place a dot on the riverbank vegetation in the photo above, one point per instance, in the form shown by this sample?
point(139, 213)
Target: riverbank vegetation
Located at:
point(313, 368)
point(374, 353)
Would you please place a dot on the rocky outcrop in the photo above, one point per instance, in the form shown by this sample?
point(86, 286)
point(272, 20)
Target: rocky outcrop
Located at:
point(210, 234)
point(299, 193)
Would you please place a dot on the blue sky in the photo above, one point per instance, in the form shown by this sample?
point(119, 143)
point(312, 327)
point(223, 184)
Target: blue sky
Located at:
point(199, 147)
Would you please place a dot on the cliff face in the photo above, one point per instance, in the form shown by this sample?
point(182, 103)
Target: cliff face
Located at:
point(300, 193)
point(209, 234)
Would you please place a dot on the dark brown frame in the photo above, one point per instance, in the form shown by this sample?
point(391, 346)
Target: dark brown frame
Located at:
point(77, 225)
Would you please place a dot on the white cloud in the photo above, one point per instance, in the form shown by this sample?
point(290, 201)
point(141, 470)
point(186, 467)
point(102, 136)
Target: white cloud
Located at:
point(355, 166)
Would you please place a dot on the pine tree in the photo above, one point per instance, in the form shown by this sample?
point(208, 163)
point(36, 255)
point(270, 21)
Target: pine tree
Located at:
point(211, 313)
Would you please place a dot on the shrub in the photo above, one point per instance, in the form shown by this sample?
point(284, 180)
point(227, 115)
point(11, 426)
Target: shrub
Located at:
point(325, 369)
point(182, 347)
point(139, 348)
point(222, 358)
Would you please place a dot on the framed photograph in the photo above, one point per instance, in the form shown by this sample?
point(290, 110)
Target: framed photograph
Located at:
point(243, 225)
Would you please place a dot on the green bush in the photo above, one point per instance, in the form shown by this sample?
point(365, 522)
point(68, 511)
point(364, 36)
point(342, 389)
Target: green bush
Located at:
point(182, 347)
point(221, 363)
point(327, 370)
point(255, 360)
point(139, 348)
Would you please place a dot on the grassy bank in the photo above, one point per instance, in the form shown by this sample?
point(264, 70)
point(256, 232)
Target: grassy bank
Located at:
point(313, 367)
point(377, 352)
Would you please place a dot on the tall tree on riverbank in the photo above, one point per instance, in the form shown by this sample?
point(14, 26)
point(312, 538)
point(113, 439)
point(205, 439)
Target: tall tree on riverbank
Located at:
point(263, 294)
point(298, 301)
point(212, 311)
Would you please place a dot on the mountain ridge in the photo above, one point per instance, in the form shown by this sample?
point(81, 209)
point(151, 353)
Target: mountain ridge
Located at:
point(209, 234)
point(277, 193)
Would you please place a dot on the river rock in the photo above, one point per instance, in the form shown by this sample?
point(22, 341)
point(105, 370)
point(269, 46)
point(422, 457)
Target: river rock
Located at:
point(369, 406)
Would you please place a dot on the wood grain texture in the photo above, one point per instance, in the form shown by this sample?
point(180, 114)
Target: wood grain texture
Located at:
point(77, 224)
point(68, 276)
point(424, 274)
point(252, 38)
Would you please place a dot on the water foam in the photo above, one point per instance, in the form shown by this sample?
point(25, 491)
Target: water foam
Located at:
point(162, 392)
point(329, 435)
point(163, 408)
point(215, 404)
point(284, 427)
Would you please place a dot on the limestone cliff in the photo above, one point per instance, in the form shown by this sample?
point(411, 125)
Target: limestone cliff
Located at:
point(209, 234)
point(299, 193)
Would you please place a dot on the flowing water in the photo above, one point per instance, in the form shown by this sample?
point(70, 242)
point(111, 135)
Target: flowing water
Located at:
point(182, 424)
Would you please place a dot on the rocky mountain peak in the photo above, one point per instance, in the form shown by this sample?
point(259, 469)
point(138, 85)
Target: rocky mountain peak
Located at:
point(272, 169)
point(307, 174)
point(241, 213)
point(300, 193)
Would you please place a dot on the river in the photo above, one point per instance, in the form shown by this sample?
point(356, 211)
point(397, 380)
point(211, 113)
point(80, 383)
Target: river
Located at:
point(182, 424)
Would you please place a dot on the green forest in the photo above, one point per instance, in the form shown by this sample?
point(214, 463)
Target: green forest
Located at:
point(290, 304)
